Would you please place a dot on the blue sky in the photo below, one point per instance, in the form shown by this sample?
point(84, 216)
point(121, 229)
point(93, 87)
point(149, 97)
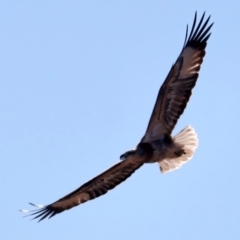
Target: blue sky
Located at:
point(78, 82)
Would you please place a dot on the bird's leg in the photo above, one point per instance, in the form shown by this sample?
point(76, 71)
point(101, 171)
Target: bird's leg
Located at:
point(179, 152)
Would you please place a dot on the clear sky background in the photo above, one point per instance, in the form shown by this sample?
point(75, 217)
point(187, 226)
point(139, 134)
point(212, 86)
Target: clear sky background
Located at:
point(78, 81)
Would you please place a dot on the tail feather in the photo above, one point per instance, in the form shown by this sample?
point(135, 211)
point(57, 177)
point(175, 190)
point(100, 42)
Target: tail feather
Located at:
point(188, 139)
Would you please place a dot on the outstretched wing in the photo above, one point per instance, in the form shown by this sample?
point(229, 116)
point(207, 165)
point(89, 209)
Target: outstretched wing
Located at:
point(177, 88)
point(90, 190)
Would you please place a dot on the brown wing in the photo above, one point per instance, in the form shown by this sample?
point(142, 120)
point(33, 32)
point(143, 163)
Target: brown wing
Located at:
point(177, 88)
point(92, 189)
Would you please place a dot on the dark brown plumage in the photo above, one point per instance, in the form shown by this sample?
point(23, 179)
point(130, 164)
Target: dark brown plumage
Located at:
point(94, 188)
point(157, 145)
point(172, 99)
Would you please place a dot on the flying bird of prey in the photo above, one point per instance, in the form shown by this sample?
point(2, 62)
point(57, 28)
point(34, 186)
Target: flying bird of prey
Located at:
point(157, 145)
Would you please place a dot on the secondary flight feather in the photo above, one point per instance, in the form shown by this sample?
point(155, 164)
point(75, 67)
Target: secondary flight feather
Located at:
point(157, 144)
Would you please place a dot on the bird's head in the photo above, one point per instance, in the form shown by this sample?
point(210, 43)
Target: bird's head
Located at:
point(142, 150)
point(127, 154)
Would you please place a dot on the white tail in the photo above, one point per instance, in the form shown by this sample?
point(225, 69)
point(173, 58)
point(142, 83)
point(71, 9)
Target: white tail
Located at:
point(188, 138)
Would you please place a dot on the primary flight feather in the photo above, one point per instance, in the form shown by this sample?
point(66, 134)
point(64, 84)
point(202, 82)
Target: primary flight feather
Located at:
point(157, 144)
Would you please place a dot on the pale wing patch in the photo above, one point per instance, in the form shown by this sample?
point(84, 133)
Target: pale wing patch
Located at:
point(192, 59)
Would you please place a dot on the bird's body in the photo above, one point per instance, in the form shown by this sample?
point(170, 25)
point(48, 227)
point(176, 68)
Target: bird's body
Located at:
point(162, 148)
point(157, 144)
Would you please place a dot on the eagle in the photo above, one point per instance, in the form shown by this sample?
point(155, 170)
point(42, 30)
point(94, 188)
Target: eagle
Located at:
point(157, 145)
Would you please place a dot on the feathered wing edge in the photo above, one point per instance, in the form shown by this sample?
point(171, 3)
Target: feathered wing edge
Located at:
point(168, 108)
point(199, 33)
point(42, 211)
point(94, 188)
